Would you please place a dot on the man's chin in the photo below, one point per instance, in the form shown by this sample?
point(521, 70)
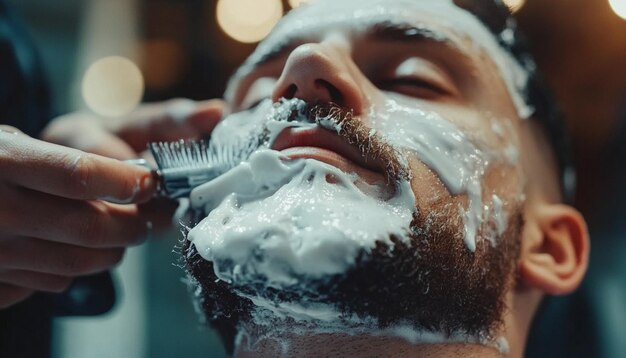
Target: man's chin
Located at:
point(431, 284)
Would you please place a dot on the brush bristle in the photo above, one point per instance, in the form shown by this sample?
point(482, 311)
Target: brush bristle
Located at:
point(181, 154)
point(184, 165)
point(192, 154)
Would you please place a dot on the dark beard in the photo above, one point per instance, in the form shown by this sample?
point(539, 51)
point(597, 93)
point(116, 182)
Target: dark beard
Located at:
point(433, 283)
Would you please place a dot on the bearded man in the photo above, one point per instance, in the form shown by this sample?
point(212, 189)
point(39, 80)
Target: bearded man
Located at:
point(402, 190)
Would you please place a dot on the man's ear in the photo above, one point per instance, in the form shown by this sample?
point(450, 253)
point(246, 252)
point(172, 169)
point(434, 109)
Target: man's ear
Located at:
point(555, 249)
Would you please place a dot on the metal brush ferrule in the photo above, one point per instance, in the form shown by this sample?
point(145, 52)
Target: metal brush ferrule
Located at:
point(179, 182)
point(176, 183)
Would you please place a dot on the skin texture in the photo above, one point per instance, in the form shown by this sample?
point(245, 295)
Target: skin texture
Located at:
point(59, 219)
point(334, 63)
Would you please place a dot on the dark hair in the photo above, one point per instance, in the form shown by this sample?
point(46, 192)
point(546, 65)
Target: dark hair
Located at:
point(497, 17)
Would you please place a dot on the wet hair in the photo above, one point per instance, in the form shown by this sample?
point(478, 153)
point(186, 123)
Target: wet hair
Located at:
point(498, 19)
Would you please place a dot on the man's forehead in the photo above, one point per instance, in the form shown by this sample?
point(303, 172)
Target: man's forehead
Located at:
point(358, 14)
point(439, 20)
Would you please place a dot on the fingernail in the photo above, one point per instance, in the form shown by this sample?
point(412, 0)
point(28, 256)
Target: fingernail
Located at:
point(145, 183)
point(148, 182)
point(9, 130)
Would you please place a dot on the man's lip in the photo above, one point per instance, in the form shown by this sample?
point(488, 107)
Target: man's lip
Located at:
point(323, 145)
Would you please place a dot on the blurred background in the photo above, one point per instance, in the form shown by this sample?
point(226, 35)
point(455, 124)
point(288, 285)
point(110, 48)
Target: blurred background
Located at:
point(182, 48)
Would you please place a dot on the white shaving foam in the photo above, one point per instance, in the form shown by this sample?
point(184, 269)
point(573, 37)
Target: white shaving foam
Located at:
point(315, 319)
point(457, 160)
point(279, 219)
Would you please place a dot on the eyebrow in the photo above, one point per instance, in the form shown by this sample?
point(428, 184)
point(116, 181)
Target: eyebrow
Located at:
point(411, 34)
point(381, 31)
point(403, 31)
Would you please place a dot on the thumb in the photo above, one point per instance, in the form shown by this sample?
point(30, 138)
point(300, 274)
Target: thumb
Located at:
point(86, 132)
point(170, 121)
point(108, 145)
point(206, 116)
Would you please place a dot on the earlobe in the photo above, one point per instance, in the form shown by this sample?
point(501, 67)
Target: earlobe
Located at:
point(555, 249)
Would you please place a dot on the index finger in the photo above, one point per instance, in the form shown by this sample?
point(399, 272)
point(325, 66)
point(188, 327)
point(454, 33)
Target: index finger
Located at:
point(71, 173)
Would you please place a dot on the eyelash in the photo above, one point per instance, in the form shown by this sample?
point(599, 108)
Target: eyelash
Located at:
point(419, 84)
point(388, 84)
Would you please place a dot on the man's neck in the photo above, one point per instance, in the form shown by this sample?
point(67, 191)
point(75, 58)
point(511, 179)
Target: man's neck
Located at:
point(332, 345)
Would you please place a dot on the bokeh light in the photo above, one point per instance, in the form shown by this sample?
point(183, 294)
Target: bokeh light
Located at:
point(295, 3)
point(619, 7)
point(112, 86)
point(514, 5)
point(248, 21)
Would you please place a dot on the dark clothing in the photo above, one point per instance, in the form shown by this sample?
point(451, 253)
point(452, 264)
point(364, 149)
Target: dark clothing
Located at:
point(24, 100)
point(24, 103)
point(25, 329)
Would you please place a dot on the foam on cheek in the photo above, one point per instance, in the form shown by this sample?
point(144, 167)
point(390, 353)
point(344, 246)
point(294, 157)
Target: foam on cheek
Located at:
point(281, 218)
point(442, 146)
point(276, 219)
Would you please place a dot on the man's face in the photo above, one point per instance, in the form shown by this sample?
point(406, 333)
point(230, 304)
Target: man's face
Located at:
point(424, 111)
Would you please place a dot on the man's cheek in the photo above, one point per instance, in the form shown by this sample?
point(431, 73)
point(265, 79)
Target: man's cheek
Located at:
point(505, 181)
point(430, 192)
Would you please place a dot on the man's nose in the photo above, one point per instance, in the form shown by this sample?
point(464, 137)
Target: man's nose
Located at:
point(317, 74)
